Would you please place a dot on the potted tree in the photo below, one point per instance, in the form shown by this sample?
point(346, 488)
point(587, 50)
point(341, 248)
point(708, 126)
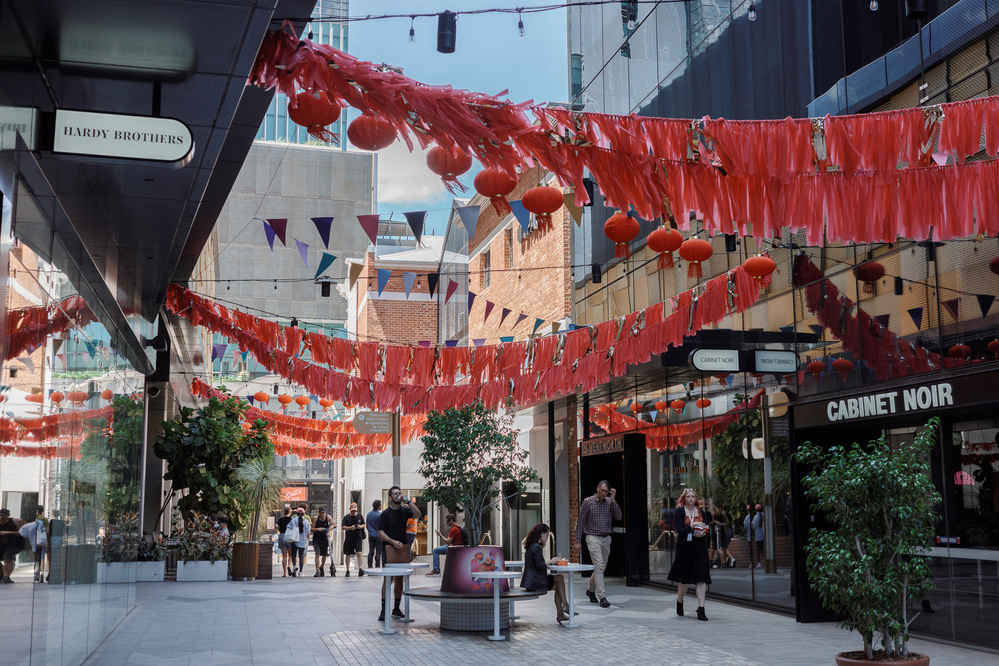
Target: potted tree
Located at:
point(260, 481)
point(880, 501)
point(203, 552)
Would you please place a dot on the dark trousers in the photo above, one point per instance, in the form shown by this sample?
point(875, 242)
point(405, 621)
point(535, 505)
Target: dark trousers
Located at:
point(376, 551)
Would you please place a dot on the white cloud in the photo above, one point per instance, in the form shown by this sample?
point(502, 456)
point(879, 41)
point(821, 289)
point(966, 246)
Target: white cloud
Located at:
point(404, 177)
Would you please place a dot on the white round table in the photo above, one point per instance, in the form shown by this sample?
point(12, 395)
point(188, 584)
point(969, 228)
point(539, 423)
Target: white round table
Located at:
point(570, 569)
point(389, 572)
point(412, 566)
point(515, 564)
point(496, 576)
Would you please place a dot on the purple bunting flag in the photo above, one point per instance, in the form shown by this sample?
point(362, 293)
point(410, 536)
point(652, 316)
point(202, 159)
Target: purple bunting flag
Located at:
point(303, 251)
point(471, 299)
point(370, 225)
point(452, 287)
point(505, 314)
point(917, 317)
point(269, 230)
point(953, 306)
point(280, 227)
point(323, 225)
point(489, 308)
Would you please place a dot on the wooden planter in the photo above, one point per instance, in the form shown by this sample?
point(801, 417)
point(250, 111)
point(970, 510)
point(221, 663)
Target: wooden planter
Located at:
point(843, 660)
point(245, 560)
point(265, 561)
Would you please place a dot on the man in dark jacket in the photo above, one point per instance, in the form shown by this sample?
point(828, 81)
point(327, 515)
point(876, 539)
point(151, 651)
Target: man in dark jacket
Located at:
point(10, 544)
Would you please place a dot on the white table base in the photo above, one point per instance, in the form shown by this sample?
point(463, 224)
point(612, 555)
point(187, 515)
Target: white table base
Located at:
point(412, 566)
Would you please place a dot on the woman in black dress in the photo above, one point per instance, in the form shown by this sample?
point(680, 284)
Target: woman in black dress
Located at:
point(536, 577)
point(691, 565)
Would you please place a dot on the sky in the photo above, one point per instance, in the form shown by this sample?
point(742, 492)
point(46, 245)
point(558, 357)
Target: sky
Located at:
point(490, 57)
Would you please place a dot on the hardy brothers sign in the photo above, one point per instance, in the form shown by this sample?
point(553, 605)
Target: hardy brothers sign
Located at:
point(113, 135)
point(898, 401)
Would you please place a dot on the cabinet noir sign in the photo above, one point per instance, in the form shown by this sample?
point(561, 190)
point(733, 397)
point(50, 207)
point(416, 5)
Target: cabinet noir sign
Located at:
point(118, 136)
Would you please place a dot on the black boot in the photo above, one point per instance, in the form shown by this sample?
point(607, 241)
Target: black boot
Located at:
point(701, 615)
point(381, 616)
point(332, 571)
point(319, 572)
point(679, 608)
point(397, 612)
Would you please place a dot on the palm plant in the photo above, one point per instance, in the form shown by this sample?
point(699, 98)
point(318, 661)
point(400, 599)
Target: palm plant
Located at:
point(260, 481)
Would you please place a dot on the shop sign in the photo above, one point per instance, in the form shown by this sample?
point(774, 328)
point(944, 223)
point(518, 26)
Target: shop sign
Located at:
point(373, 423)
point(295, 494)
point(114, 135)
point(714, 360)
point(532, 487)
point(955, 392)
point(16, 120)
point(776, 362)
point(593, 447)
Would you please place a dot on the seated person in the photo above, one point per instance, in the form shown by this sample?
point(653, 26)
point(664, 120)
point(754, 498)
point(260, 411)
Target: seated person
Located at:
point(536, 577)
point(453, 538)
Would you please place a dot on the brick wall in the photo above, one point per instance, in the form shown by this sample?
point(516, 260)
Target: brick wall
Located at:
point(23, 269)
point(391, 317)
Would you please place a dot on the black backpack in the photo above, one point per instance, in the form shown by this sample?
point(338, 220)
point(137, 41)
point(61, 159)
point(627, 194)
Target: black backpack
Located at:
point(464, 537)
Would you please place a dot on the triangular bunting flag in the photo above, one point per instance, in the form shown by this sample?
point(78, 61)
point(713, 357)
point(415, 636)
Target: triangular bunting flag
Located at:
point(555, 326)
point(432, 280)
point(452, 287)
point(489, 308)
point(450, 343)
point(56, 345)
point(370, 225)
point(355, 272)
point(91, 348)
point(235, 356)
point(478, 342)
point(424, 343)
point(243, 356)
point(416, 220)
point(469, 218)
point(952, 307)
point(249, 399)
point(653, 413)
point(303, 251)
point(787, 329)
point(323, 225)
point(816, 328)
point(506, 313)
point(325, 262)
point(917, 317)
point(383, 277)
point(407, 282)
point(575, 211)
point(28, 363)
point(506, 338)
point(984, 302)
point(883, 320)
point(218, 351)
point(521, 318)
point(269, 230)
point(280, 227)
point(62, 359)
point(522, 214)
point(471, 299)
point(537, 325)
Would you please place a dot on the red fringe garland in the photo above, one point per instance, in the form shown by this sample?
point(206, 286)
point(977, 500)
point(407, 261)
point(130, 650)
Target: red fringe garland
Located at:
point(27, 328)
point(772, 173)
point(665, 260)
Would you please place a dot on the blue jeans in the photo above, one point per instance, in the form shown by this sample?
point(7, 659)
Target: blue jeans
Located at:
point(438, 551)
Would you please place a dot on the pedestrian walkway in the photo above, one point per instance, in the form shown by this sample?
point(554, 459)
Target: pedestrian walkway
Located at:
point(333, 621)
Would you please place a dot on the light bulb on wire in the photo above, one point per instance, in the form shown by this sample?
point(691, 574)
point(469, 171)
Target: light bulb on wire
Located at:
point(520, 23)
point(874, 5)
point(752, 11)
point(412, 30)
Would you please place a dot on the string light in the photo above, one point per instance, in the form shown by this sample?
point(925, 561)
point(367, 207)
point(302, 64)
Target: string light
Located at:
point(412, 30)
point(874, 5)
point(752, 11)
point(520, 21)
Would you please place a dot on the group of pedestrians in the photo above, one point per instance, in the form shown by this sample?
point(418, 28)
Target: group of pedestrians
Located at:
point(16, 535)
point(296, 529)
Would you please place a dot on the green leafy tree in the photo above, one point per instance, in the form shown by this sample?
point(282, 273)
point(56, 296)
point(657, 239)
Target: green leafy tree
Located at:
point(880, 501)
point(203, 449)
point(468, 453)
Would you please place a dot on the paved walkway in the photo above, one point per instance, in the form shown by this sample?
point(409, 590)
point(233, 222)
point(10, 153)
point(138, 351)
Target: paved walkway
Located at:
point(333, 621)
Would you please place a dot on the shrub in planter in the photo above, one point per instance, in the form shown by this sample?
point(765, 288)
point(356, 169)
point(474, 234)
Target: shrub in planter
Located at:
point(880, 501)
point(198, 542)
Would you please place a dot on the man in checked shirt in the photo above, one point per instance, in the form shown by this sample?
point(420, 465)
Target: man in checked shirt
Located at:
point(595, 516)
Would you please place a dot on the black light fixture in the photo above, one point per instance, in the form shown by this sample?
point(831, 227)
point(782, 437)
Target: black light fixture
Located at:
point(916, 10)
point(595, 270)
point(899, 286)
point(588, 186)
point(731, 243)
point(447, 31)
point(294, 323)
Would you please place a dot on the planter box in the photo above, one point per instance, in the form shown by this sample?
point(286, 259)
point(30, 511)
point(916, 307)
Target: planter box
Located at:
point(245, 560)
point(149, 572)
point(115, 572)
point(202, 571)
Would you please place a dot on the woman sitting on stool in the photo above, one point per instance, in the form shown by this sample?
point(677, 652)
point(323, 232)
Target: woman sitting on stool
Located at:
point(536, 577)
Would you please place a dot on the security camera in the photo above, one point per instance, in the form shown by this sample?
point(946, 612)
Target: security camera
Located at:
point(160, 343)
point(153, 391)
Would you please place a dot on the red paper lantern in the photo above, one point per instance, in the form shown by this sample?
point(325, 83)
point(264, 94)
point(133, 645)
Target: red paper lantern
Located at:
point(662, 406)
point(815, 369)
point(371, 132)
point(869, 272)
point(722, 378)
point(285, 400)
point(695, 251)
point(36, 398)
point(325, 403)
point(665, 241)
point(262, 397)
point(622, 230)
point(636, 407)
point(760, 268)
point(314, 112)
point(959, 351)
point(843, 366)
point(56, 397)
point(543, 201)
point(994, 265)
point(678, 405)
point(448, 165)
point(77, 396)
point(303, 401)
point(703, 403)
point(107, 394)
point(496, 184)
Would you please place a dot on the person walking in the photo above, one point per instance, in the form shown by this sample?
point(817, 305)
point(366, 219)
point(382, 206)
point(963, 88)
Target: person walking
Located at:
point(596, 514)
point(353, 539)
point(722, 526)
point(376, 549)
point(283, 545)
point(453, 538)
point(297, 534)
point(536, 577)
point(43, 553)
point(753, 523)
point(691, 565)
point(10, 544)
point(392, 532)
point(321, 543)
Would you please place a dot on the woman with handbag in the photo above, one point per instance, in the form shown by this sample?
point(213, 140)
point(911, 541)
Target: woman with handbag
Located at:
point(536, 577)
point(723, 528)
point(691, 565)
point(297, 536)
